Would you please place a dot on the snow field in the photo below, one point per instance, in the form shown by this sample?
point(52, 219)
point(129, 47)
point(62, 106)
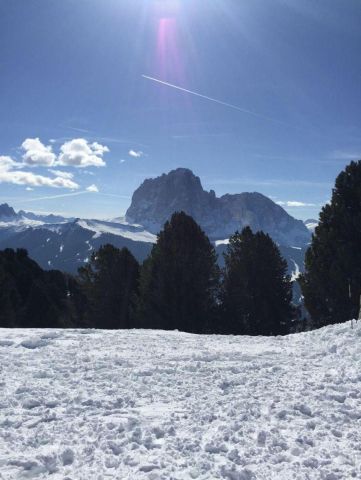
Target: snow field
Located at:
point(90, 404)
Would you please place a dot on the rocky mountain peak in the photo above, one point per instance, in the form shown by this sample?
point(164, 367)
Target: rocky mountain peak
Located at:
point(157, 199)
point(7, 212)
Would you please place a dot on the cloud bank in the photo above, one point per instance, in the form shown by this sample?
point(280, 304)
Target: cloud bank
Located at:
point(292, 203)
point(77, 153)
point(9, 173)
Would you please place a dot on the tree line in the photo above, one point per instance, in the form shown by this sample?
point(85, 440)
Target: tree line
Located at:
point(33, 297)
point(180, 285)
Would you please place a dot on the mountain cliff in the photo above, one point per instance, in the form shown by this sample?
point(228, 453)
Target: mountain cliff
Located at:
point(156, 199)
point(7, 212)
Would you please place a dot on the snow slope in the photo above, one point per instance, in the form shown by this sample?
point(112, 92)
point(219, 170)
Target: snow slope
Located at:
point(155, 405)
point(126, 230)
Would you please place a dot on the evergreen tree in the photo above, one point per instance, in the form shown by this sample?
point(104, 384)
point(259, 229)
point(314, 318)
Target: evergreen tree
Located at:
point(256, 292)
point(109, 282)
point(76, 302)
point(9, 298)
point(30, 296)
point(179, 281)
point(331, 284)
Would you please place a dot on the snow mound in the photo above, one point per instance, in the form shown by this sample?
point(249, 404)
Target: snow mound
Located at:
point(168, 405)
point(36, 342)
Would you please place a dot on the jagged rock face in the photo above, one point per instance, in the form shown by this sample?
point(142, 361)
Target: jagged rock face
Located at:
point(261, 213)
point(7, 212)
point(156, 199)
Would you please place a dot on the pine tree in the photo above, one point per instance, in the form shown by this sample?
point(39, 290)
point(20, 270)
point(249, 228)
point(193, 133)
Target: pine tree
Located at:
point(331, 284)
point(110, 281)
point(9, 298)
point(256, 292)
point(30, 296)
point(179, 281)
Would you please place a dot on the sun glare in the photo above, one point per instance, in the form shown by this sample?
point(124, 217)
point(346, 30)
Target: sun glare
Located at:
point(167, 7)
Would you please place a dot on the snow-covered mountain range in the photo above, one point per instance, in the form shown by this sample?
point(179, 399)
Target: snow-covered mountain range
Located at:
point(66, 243)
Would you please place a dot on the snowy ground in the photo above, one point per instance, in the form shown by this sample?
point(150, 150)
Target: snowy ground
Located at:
point(167, 405)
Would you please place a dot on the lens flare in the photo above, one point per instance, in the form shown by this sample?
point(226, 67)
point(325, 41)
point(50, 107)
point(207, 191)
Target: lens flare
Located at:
point(170, 61)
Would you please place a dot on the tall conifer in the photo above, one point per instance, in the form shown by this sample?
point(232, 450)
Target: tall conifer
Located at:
point(110, 282)
point(331, 284)
point(256, 293)
point(179, 281)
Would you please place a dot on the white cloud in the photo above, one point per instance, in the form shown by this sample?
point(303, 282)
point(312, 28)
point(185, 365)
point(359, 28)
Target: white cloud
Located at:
point(135, 154)
point(99, 149)
point(18, 177)
point(79, 153)
point(37, 154)
point(92, 188)
point(291, 203)
point(7, 163)
point(60, 173)
point(9, 173)
point(76, 153)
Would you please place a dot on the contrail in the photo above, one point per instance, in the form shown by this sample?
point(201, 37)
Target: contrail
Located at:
point(75, 194)
point(220, 102)
point(62, 195)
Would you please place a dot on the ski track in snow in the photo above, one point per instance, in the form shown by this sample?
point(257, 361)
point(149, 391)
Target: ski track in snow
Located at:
point(91, 404)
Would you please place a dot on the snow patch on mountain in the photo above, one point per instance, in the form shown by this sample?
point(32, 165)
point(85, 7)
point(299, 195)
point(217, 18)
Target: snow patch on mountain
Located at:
point(311, 224)
point(296, 272)
point(20, 222)
point(133, 232)
point(225, 241)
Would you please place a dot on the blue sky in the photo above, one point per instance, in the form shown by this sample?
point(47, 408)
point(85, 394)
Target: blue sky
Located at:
point(81, 128)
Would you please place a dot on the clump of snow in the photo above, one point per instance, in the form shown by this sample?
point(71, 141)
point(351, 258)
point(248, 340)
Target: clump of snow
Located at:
point(222, 242)
point(158, 405)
